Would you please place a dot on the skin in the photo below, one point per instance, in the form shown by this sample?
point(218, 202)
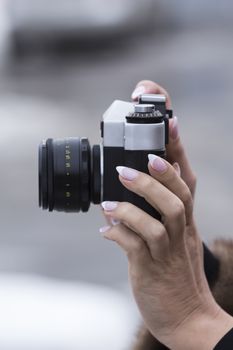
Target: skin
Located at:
point(165, 258)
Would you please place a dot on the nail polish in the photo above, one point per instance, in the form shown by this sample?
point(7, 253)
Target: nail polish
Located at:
point(157, 163)
point(177, 168)
point(104, 229)
point(115, 222)
point(108, 206)
point(127, 173)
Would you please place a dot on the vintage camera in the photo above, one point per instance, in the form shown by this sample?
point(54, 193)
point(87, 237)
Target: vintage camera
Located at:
point(72, 174)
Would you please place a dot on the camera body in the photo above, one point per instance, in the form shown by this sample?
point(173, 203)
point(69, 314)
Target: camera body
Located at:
point(130, 132)
point(72, 174)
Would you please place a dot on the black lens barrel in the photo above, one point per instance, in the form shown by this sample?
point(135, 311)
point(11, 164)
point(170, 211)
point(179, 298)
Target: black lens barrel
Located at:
point(69, 177)
point(96, 175)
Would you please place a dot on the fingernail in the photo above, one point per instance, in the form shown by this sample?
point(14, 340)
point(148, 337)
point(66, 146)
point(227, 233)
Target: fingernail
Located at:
point(115, 222)
point(174, 133)
point(127, 173)
point(138, 91)
point(177, 168)
point(157, 163)
point(104, 229)
point(108, 206)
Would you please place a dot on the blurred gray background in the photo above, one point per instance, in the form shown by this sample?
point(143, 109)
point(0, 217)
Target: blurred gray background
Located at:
point(58, 75)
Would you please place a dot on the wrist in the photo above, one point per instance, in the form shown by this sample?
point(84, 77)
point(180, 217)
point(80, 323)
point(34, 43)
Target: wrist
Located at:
point(202, 330)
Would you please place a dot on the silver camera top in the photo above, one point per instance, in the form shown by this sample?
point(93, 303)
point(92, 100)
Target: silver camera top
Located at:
point(118, 133)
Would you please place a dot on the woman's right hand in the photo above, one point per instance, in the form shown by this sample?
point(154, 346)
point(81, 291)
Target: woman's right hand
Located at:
point(175, 150)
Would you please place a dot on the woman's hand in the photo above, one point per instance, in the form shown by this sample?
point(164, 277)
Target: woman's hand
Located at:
point(165, 259)
point(175, 149)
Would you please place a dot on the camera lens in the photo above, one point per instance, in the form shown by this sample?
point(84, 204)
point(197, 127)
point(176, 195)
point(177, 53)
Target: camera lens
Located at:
point(69, 175)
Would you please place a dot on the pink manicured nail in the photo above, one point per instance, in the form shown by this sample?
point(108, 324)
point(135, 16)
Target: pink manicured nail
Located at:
point(127, 173)
point(115, 222)
point(177, 168)
point(174, 133)
point(108, 206)
point(104, 229)
point(137, 92)
point(157, 163)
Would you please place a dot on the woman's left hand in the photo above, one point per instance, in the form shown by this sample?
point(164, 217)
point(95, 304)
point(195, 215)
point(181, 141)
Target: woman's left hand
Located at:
point(168, 282)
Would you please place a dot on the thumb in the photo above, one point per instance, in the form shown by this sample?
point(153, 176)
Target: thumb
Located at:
point(177, 168)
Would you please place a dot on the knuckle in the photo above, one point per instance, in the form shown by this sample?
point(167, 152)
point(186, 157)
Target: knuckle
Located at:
point(137, 245)
point(161, 234)
point(178, 209)
point(157, 233)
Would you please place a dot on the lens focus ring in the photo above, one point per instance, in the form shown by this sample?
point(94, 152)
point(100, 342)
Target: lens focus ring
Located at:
point(68, 178)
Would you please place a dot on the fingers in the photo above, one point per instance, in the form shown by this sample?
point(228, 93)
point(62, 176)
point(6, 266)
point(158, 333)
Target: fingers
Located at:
point(167, 193)
point(135, 248)
point(175, 149)
point(167, 175)
point(147, 228)
point(159, 197)
point(149, 87)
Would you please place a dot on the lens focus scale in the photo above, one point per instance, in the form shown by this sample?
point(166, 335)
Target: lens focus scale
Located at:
point(85, 168)
point(67, 175)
